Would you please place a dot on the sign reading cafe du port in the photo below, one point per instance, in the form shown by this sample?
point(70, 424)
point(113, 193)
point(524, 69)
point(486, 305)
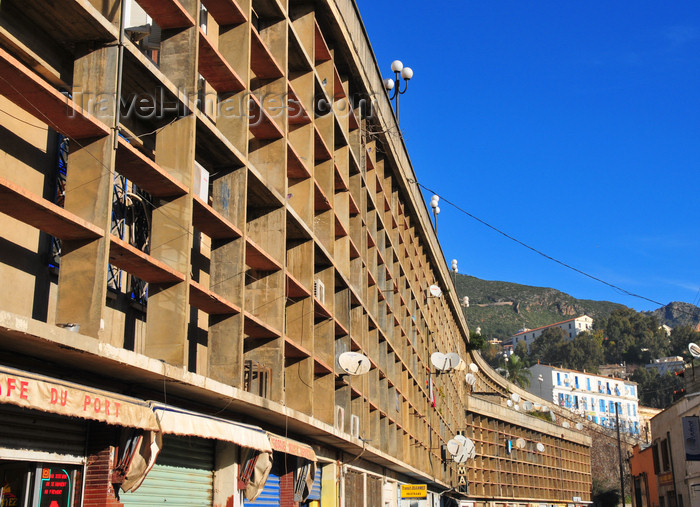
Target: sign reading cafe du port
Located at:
point(29, 390)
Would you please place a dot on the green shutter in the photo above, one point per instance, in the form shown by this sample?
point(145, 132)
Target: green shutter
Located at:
point(183, 475)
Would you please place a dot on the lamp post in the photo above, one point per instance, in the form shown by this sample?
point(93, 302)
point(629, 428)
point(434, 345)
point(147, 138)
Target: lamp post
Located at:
point(434, 200)
point(454, 270)
point(395, 84)
point(399, 72)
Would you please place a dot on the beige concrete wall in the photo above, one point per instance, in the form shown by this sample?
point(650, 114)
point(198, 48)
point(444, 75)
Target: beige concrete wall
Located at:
point(27, 158)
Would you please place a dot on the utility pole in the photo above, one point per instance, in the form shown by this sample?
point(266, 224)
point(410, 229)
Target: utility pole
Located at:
point(619, 455)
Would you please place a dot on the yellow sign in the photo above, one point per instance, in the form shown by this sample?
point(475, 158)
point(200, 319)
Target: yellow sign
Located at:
point(414, 490)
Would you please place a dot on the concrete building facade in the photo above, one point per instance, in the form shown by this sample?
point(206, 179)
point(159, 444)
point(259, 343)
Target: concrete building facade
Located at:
point(676, 453)
point(591, 396)
point(202, 208)
point(571, 327)
point(666, 365)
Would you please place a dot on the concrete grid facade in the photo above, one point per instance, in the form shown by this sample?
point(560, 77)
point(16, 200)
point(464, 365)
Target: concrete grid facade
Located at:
point(201, 256)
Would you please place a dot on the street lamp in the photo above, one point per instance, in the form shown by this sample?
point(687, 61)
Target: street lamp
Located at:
point(399, 72)
point(434, 200)
point(454, 270)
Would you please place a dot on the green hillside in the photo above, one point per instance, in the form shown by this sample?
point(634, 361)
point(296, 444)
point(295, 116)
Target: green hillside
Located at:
point(502, 308)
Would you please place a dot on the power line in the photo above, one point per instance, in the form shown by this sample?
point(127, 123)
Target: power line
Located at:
point(546, 256)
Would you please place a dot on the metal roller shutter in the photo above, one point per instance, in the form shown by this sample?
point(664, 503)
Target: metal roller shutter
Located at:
point(41, 431)
point(270, 495)
point(183, 475)
point(316, 487)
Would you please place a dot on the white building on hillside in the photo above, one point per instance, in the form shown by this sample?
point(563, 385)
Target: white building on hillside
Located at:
point(589, 395)
point(571, 327)
point(665, 365)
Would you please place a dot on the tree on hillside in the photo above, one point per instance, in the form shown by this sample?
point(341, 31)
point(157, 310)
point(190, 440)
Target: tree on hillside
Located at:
point(549, 347)
point(517, 371)
point(514, 369)
point(521, 351)
point(585, 352)
point(656, 390)
point(491, 354)
point(681, 336)
point(632, 337)
point(477, 341)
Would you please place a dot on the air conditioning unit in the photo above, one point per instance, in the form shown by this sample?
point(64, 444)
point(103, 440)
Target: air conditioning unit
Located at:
point(355, 426)
point(320, 291)
point(200, 183)
point(152, 42)
point(203, 18)
point(140, 27)
point(339, 418)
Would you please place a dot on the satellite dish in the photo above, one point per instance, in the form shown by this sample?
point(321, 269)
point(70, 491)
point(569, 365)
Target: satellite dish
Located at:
point(520, 443)
point(470, 378)
point(516, 407)
point(545, 408)
point(694, 350)
point(435, 291)
point(527, 406)
point(509, 403)
point(471, 449)
point(439, 360)
point(473, 368)
point(540, 446)
point(566, 424)
point(461, 448)
point(455, 445)
point(579, 426)
point(466, 452)
point(453, 360)
point(354, 363)
point(461, 366)
point(515, 397)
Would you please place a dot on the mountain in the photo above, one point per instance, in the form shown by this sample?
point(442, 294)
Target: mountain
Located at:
point(678, 314)
point(500, 309)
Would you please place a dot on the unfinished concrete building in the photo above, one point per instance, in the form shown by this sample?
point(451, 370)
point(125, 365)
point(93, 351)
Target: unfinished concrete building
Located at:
point(203, 204)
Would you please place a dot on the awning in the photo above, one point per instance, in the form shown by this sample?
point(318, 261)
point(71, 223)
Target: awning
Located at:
point(289, 446)
point(178, 421)
point(38, 392)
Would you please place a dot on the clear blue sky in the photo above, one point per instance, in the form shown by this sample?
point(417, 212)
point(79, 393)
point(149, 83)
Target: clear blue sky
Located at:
point(572, 126)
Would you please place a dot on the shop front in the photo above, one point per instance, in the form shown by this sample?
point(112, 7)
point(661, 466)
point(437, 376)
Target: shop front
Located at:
point(44, 442)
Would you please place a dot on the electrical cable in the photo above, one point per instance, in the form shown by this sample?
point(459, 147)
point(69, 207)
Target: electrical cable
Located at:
point(539, 252)
point(42, 127)
point(106, 169)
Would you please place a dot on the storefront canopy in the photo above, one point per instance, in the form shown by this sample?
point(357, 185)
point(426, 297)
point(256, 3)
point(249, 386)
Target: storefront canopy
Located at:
point(47, 394)
point(177, 421)
point(289, 446)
